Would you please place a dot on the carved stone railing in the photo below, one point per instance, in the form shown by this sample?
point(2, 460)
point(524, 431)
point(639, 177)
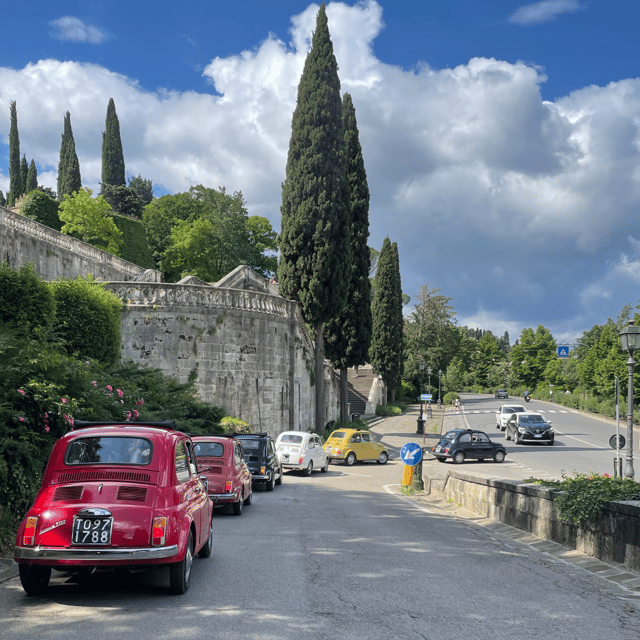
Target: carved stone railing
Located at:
point(42, 233)
point(162, 294)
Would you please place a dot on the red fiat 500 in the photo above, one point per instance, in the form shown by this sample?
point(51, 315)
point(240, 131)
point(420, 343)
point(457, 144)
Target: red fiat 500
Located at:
point(117, 494)
point(220, 460)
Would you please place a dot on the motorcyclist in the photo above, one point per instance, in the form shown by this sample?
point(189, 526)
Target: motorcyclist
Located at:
point(527, 396)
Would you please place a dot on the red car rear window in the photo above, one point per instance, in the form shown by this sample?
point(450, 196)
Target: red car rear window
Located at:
point(109, 450)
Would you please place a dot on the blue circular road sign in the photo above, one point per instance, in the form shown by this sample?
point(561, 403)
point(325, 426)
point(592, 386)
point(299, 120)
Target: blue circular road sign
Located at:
point(411, 453)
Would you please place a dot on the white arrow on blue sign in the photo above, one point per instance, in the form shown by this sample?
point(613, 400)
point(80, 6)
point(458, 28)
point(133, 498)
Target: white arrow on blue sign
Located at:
point(411, 453)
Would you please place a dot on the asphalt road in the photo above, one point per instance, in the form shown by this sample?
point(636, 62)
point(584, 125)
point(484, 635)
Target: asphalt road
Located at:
point(341, 555)
point(581, 443)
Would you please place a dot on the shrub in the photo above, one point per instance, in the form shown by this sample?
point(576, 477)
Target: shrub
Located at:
point(234, 425)
point(450, 397)
point(135, 247)
point(406, 392)
point(42, 208)
point(584, 495)
point(26, 301)
point(390, 409)
point(88, 319)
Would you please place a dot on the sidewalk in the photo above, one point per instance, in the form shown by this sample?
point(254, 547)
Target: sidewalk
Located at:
point(8, 569)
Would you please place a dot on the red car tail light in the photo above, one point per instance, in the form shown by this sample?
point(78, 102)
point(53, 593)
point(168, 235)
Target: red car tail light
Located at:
point(227, 486)
point(301, 460)
point(159, 532)
point(29, 536)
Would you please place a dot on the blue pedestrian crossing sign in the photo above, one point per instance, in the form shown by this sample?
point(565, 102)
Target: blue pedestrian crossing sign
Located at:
point(411, 453)
point(563, 351)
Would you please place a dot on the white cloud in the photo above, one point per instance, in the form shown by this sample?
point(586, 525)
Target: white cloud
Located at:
point(72, 29)
point(506, 202)
point(543, 11)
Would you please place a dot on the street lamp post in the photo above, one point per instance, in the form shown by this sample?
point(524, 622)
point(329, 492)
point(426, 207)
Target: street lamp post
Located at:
point(420, 420)
point(439, 388)
point(429, 372)
point(630, 341)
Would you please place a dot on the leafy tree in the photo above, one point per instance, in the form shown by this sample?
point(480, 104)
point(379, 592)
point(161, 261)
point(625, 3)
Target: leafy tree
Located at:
point(314, 240)
point(386, 339)
point(112, 155)
point(15, 176)
point(69, 180)
point(173, 222)
point(431, 334)
point(144, 188)
point(24, 174)
point(88, 219)
point(32, 177)
point(3, 200)
point(123, 200)
point(42, 208)
point(347, 336)
point(531, 355)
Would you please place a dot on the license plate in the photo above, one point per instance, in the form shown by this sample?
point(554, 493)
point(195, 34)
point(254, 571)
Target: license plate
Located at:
point(537, 435)
point(91, 531)
point(285, 457)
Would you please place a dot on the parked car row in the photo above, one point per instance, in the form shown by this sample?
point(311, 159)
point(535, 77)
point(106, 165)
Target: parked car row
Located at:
point(136, 494)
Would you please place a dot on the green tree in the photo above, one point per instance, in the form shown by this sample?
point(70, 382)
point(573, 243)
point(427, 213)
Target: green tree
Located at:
point(347, 336)
point(314, 239)
point(3, 200)
point(69, 180)
point(386, 353)
point(123, 200)
point(112, 155)
point(32, 177)
point(263, 241)
point(24, 174)
point(144, 189)
point(42, 208)
point(88, 219)
point(15, 176)
point(531, 355)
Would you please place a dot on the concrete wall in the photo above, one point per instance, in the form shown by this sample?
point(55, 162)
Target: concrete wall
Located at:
point(232, 338)
point(56, 256)
point(614, 536)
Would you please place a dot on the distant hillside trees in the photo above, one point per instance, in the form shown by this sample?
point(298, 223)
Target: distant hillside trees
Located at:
point(69, 179)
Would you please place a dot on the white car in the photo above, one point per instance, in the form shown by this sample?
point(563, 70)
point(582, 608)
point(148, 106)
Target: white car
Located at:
point(301, 451)
point(505, 412)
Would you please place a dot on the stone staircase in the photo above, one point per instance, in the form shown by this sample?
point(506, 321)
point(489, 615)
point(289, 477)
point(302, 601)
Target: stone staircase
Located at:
point(358, 388)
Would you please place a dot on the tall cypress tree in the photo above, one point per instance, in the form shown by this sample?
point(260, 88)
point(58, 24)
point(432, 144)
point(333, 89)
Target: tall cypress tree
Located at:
point(347, 336)
point(32, 177)
point(69, 180)
point(24, 173)
point(314, 246)
point(112, 156)
point(386, 339)
point(15, 177)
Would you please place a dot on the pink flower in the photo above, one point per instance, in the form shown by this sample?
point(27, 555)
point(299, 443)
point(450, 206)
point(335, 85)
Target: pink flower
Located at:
point(120, 392)
point(140, 402)
point(94, 383)
point(109, 387)
point(128, 414)
point(21, 419)
point(46, 415)
point(64, 400)
point(69, 419)
point(135, 413)
point(46, 429)
point(21, 391)
point(121, 401)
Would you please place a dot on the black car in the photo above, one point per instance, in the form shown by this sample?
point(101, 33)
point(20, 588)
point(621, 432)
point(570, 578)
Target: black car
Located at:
point(529, 427)
point(463, 444)
point(260, 456)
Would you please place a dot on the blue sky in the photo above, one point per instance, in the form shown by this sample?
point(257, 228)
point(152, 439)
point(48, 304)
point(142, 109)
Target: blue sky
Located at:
point(501, 138)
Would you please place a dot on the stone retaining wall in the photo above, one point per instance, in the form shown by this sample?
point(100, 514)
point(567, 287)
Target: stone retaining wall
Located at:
point(612, 537)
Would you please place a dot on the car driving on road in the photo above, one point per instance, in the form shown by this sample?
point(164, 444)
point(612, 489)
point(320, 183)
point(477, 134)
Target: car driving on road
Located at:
point(352, 445)
point(529, 427)
point(301, 451)
point(505, 412)
point(468, 444)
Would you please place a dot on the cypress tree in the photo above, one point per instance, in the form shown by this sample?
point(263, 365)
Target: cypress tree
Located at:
point(348, 336)
point(32, 177)
point(386, 339)
point(69, 180)
point(3, 201)
point(314, 246)
point(112, 156)
point(24, 173)
point(15, 177)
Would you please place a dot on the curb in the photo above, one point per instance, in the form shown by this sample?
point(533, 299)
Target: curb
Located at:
point(8, 569)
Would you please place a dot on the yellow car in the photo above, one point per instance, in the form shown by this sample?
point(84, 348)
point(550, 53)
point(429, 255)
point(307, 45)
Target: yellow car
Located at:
point(351, 446)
